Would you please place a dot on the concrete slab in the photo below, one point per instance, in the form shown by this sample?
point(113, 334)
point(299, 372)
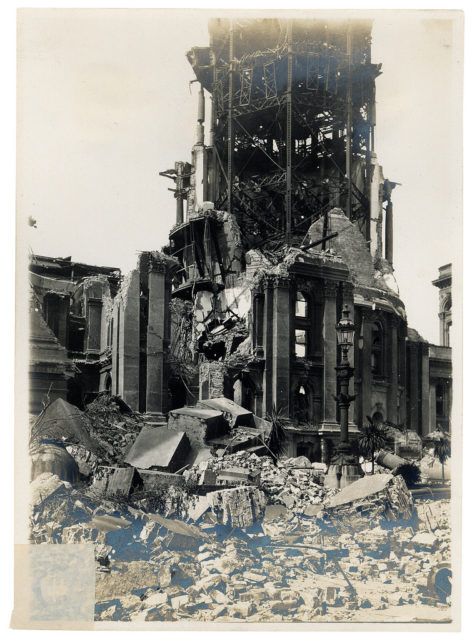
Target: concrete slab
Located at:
point(158, 448)
point(234, 413)
point(366, 486)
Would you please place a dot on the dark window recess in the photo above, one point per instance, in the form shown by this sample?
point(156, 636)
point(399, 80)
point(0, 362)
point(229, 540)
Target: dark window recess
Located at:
point(377, 350)
point(440, 405)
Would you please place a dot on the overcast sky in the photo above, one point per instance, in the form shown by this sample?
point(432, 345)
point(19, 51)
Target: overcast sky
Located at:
point(104, 104)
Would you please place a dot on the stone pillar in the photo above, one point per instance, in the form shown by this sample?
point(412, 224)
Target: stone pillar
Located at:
point(324, 450)
point(402, 373)
point(281, 345)
point(238, 392)
point(156, 395)
point(259, 403)
point(329, 355)
point(258, 323)
point(268, 344)
point(432, 406)
point(366, 368)
point(392, 368)
point(424, 388)
point(128, 341)
point(389, 233)
point(413, 413)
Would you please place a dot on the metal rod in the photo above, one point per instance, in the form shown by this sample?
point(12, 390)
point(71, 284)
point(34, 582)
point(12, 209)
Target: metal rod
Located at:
point(230, 118)
point(320, 241)
point(349, 124)
point(288, 143)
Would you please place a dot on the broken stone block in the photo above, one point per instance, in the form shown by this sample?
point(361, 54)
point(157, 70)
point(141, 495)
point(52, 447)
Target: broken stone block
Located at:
point(159, 449)
point(102, 552)
point(157, 598)
point(217, 596)
point(395, 598)
point(242, 609)
point(283, 606)
point(233, 413)
point(239, 507)
point(178, 534)
point(200, 425)
point(179, 601)
point(161, 613)
point(254, 577)
point(424, 540)
point(46, 486)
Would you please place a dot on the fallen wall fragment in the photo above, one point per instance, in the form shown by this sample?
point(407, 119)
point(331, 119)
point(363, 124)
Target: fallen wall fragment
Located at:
point(370, 499)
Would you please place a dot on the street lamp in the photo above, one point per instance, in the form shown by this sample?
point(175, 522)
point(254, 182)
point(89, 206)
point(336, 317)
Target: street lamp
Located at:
point(344, 467)
point(345, 335)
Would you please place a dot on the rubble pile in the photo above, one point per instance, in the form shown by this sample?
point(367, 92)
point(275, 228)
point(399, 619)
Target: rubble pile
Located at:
point(235, 557)
point(293, 482)
point(113, 425)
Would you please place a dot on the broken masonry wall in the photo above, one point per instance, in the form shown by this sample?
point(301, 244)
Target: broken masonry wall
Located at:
point(94, 288)
point(50, 368)
point(125, 341)
point(199, 425)
point(212, 380)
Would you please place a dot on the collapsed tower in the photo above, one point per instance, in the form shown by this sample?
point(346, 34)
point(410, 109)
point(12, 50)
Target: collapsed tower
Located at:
point(291, 130)
point(284, 215)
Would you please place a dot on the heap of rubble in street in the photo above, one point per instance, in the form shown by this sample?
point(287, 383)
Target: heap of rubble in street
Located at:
point(240, 535)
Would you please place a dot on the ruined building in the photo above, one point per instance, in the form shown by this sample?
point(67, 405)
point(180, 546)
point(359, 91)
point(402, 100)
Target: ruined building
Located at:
point(282, 216)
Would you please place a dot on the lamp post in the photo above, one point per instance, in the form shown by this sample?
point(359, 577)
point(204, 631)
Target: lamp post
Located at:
point(344, 467)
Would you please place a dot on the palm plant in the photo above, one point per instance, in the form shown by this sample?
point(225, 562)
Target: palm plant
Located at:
point(442, 450)
point(277, 418)
point(373, 437)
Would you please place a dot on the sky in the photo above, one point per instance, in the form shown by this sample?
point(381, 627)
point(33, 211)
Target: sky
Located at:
point(105, 102)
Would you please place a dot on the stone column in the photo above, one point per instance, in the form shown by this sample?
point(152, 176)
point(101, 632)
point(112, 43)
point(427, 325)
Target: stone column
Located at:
point(432, 406)
point(268, 286)
point(366, 368)
point(392, 367)
point(156, 397)
point(329, 355)
point(414, 414)
point(258, 403)
point(258, 323)
point(348, 298)
point(281, 344)
point(402, 372)
point(324, 450)
point(389, 233)
point(424, 389)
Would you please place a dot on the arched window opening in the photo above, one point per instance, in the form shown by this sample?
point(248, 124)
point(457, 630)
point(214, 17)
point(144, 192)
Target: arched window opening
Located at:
point(377, 350)
point(302, 408)
point(301, 305)
point(300, 343)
